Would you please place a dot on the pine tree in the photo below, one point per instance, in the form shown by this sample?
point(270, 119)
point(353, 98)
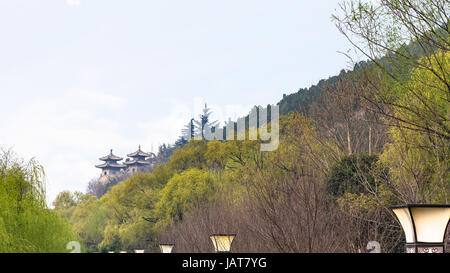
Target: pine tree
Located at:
point(204, 122)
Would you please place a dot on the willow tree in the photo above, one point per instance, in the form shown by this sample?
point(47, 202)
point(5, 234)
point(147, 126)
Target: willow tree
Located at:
point(26, 224)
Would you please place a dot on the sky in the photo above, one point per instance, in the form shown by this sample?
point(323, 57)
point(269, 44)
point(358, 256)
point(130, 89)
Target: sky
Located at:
point(81, 77)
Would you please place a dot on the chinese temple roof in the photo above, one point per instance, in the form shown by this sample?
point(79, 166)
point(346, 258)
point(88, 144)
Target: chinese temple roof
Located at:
point(136, 162)
point(110, 165)
point(111, 157)
point(140, 153)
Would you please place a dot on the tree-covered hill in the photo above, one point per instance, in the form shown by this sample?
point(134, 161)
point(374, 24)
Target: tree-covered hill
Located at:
point(301, 100)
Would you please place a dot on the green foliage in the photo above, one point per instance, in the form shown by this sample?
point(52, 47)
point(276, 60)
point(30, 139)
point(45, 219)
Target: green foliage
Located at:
point(191, 156)
point(123, 218)
point(184, 192)
point(66, 202)
point(216, 154)
point(130, 207)
point(302, 100)
point(423, 101)
point(419, 163)
point(352, 174)
point(87, 221)
point(67, 199)
point(26, 224)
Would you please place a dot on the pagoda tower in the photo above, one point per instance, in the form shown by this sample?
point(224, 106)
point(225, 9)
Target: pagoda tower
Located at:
point(140, 161)
point(111, 167)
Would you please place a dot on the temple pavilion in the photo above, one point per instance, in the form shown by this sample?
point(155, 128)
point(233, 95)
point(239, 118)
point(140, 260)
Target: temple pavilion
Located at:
point(140, 161)
point(111, 167)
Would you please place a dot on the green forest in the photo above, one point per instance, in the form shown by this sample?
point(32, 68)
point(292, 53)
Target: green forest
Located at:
point(351, 146)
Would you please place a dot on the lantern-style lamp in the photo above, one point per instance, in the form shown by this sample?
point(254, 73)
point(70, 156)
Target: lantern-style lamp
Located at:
point(139, 250)
point(424, 226)
point(222, 242)
point(166, 248)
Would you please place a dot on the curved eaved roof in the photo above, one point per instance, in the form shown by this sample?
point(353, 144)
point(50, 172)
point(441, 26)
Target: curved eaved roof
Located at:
point(110, 157)
point(136, 162)
point(110, 165)
point(140, 153)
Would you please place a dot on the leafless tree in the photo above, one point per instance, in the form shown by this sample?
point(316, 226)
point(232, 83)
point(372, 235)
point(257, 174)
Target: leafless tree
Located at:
point(398, 36)
point(342, 117)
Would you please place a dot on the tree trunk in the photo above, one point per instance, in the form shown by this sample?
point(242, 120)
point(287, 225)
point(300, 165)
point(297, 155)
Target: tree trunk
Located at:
point(349, 145)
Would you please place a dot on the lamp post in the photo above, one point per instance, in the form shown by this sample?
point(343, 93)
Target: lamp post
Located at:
point(166, 248)
point(424, 226)
point(222, 242)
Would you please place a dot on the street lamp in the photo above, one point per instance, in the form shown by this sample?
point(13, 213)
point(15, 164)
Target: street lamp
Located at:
point(424, 226)
point(222, 242)
point(166, 248)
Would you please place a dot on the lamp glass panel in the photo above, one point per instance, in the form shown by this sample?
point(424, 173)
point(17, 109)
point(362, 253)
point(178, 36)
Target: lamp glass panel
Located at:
point(222, 243)
point(430, 223)
point(166, 248)
point(405, 220)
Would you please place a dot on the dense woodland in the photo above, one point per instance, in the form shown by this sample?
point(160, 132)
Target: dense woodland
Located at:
point(350, 147)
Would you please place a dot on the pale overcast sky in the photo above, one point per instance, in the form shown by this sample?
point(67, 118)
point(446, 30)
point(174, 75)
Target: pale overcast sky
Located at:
point(79, 77)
